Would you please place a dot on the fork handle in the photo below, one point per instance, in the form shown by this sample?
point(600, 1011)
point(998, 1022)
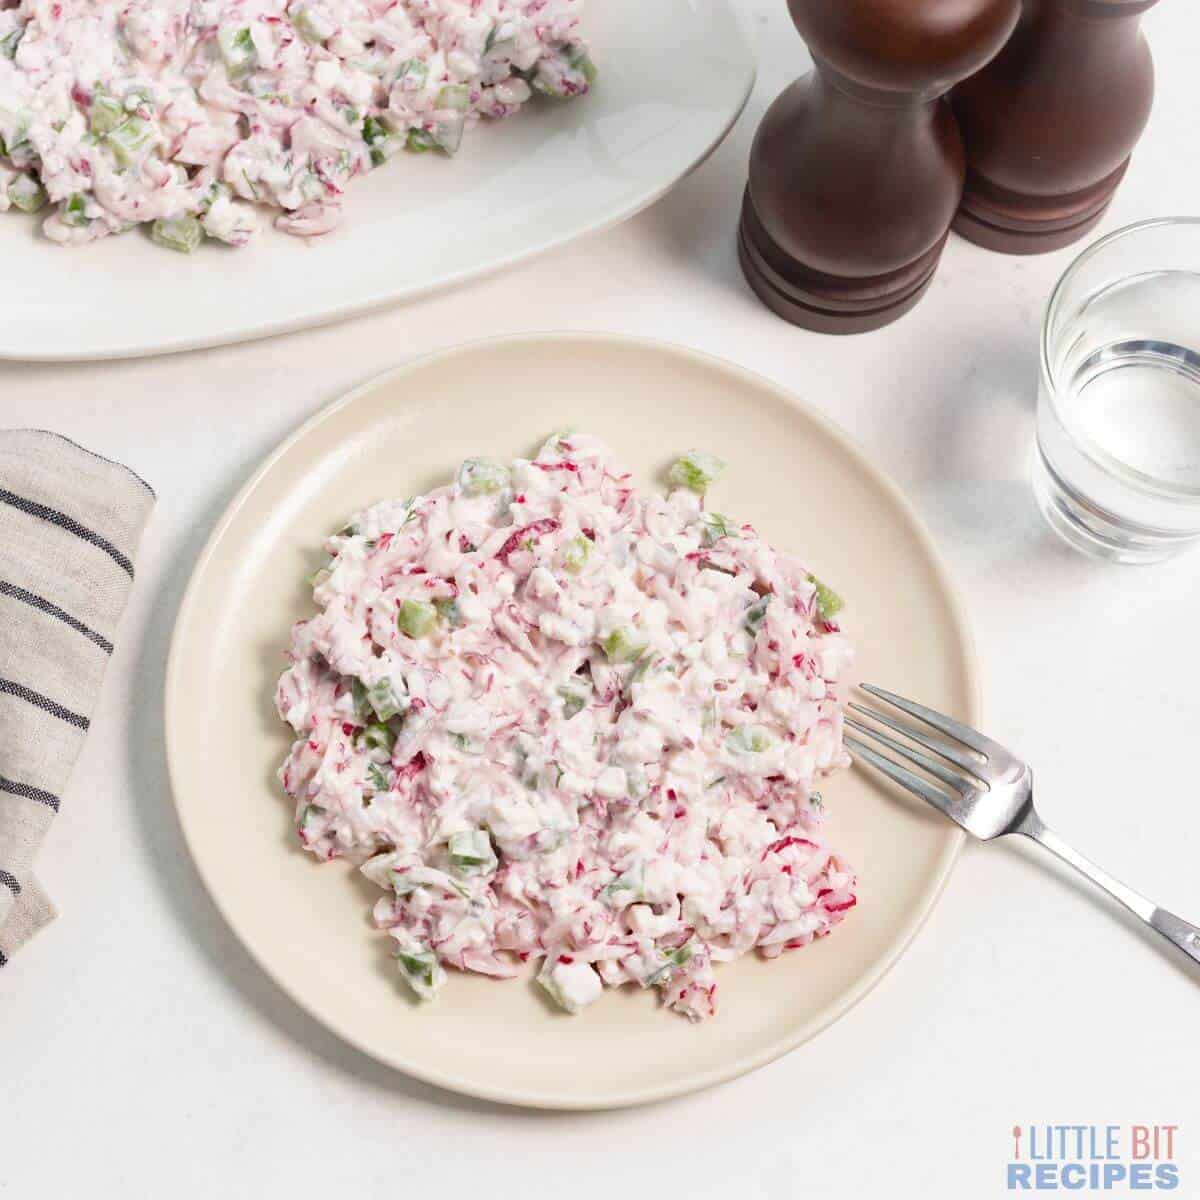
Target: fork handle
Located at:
point(1180, 933)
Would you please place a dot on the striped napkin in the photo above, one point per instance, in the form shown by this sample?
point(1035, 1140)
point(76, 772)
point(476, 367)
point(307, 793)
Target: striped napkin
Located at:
point(70, 523)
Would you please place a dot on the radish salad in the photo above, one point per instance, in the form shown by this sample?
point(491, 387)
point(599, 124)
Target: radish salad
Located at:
point(557, 719)
point(196, 116)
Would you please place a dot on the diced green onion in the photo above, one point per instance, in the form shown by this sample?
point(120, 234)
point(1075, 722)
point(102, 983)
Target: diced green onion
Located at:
point(576, 554)
point(138, 97)
point(373, 130)
point(482, 477)
point(421, 971)
point(695, 471)
point(237, 51)
point(129, 138)
point(378, 737)
point(625, 889)
point(183, 233)
point(624, 644)
point(715, 527)
point(575, 696)
point(362, 706)
point(579, 60)
point(377, 777)
point(671, 961)
point(8, 43)
point(311, 814)
point(755, 614)
point(471, 852)
point(420, 140)
point(749, 739)
point(26, 194)
point(74, 210)
point(414, 71)
point(416, 618)
point(829, 603)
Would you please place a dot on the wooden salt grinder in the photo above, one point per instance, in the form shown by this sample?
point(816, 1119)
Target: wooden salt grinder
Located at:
point(1049, 124)
point(857, 169)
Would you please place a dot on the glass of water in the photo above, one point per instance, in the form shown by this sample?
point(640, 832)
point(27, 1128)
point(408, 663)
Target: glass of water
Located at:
point(1116, 470)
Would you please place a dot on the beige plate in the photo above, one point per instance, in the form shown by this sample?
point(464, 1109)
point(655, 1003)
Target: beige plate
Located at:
point(791, 473)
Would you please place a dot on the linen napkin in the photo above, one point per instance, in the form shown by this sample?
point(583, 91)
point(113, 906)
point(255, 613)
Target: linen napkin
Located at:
point(70, 523)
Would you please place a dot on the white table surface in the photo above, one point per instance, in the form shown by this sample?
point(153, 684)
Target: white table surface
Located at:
point(142, 1053)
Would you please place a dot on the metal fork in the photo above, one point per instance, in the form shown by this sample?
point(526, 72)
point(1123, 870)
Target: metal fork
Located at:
point(990, 794)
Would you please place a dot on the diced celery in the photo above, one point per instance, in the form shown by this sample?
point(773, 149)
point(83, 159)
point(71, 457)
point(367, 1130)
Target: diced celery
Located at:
point(471, 852)
point(311, 23)
point(482, 477)
point(183, 233)
point(9, 42)
point(414, 72)
point(454, 96)
point(382, 698)
point(377, 777)
point(447, 609)
point(26, 194)
point(237, 51)
point(448, 134)
point(755, 614)
point(105, 113)
point(624, 644)
point(378, 737)
point(576, 554)
point(129, 138)
point(420, 140)
point(695, 471)
point(829, 603)
point(749, 739)
point(373, 130)
point(416, 618)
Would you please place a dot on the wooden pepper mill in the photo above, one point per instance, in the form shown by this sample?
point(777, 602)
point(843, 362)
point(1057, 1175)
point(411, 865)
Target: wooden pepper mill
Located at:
point(1049, 124)
point(857, 169)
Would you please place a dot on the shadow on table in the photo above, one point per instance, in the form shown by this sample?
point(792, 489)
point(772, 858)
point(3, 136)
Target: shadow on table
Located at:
point(181, 886)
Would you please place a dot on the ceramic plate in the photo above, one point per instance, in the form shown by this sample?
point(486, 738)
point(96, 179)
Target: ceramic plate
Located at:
point(674, 76)
point(791, 473)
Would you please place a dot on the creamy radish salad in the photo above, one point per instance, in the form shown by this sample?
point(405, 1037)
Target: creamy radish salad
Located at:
point(557, 719)
point(198, 116)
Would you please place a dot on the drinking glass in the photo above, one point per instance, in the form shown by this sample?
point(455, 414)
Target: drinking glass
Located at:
point(1116, 470)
